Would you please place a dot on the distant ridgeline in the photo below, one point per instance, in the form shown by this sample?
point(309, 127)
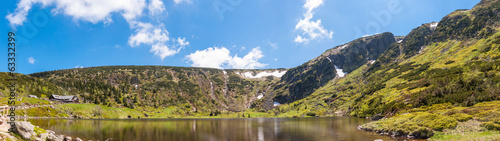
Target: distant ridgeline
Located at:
point(455, 60)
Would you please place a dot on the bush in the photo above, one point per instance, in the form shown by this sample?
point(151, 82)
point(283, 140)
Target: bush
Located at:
point(461, 117)
point(422, 133)
point(491, 125)
point(412, 122)
point(311, 114)
point(449, 62)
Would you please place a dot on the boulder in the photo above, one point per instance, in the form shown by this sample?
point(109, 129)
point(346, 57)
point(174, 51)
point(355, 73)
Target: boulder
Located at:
point(421, 133)
point(78, 139)
point(50, 132)
point(25, 129)
point(53, 137)
point(43, 136)
point(398, 133)
point(377, 117)
point(67, 138)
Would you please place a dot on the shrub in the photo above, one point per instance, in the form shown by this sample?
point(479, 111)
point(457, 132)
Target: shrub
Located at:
point(490, 115)
point(311, 114)
point(491, 125)
point(461, 117)
point(422, 133)
point(449, 62)
point(414, 121)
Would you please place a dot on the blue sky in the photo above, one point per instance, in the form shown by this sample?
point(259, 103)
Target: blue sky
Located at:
point(251, 34)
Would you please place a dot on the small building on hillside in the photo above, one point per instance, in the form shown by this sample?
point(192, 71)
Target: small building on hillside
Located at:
point(32, 96)
point(65, 99)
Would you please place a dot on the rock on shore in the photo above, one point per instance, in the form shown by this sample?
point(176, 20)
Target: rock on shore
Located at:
point(27, 131)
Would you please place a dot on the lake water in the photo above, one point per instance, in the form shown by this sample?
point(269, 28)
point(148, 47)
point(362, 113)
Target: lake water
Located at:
point(254, 129)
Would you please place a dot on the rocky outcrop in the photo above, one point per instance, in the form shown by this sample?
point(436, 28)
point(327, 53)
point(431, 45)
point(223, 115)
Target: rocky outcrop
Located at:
point(377, 117)
point(303, 80)
point(53, 137)
point(67, 138)
point(25, 129)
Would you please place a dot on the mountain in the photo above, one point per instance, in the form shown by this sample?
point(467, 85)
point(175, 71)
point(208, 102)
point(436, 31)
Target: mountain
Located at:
point(203, 89)
point(194, 89)
point(455, 60)
point(452, 61)
point(441, 75)
point(301, 81)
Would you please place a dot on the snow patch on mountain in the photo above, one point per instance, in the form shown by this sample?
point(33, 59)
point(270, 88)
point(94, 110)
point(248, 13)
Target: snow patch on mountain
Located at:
point(276, 103)
point(344, 46)
point(260, 96)
point(433, 26)
point(329, 59)
point(276, 73)
point(340, 72)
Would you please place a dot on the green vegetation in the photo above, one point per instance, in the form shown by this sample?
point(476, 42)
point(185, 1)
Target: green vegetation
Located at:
point(412, 122)
point(26, 101)
point(191, 90)
point(447, 121)
point(466, 131)
point(438, 81)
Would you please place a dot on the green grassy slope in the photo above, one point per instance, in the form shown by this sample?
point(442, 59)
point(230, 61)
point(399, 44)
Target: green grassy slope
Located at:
point(456, 63)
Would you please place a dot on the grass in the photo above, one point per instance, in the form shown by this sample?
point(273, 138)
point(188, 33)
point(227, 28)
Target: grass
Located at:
point(25, 100)
point(413, 121)
point(105, 112)
point(40, 112)
point(98, 111)
point(467, 131)
point(478, 122)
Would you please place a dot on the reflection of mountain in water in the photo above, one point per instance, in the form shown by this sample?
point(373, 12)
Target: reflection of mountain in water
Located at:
point(254, 129)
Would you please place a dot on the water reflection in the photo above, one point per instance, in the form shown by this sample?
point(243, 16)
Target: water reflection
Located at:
point(258, 129)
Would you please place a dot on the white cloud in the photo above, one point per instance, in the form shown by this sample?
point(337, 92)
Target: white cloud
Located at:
point(312, 4)
point(156, 7)
point(146, 33)
point(78, 66)
point(163, 50)
point(157, 37)
point(249, 61)
point(210, 57)
point(311, 30)
point(214, 57)
point(181, 1)
point(31, 60)
point(182, 42)
point(95, 11)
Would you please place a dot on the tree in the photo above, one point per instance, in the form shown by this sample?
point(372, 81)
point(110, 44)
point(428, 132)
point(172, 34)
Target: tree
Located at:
point(96, 101)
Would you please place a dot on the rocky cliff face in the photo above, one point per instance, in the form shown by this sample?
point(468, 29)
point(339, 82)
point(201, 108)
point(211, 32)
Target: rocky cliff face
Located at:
point(303, 80)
